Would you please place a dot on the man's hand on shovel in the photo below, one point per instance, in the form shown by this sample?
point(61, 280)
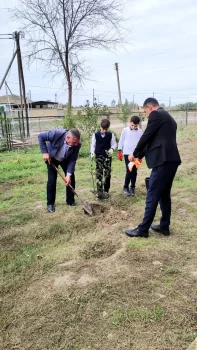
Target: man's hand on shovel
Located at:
point(67, 180)
point(47, 158)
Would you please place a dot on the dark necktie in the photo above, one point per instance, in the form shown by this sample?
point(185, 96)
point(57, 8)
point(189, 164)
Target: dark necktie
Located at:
point(66, 151)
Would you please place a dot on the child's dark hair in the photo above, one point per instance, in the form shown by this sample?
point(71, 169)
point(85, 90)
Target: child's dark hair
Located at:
point(105, 124)
point(135, 119)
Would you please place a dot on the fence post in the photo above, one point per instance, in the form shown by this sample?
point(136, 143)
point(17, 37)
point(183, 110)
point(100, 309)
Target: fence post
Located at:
point(19, 124)
point(186, 117)
point(7, 131)
point(2, 126)
point(10, 133)
point(23, 126)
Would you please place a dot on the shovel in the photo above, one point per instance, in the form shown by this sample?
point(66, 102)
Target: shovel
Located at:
point(92, 174)
point(86, 206)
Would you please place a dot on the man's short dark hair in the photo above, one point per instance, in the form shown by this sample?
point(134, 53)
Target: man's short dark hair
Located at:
point(74, 133)
point(105, 124)
point(151, 101)
point(135, 119)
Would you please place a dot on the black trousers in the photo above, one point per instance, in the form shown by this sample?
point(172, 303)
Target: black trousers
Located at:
point(159, 190)
point(103, 173)
point(131, 176)
point(52, 179)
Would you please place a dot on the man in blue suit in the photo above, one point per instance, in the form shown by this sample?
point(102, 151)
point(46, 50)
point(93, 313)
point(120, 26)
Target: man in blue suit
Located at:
point(60, 147)
point(158, 145)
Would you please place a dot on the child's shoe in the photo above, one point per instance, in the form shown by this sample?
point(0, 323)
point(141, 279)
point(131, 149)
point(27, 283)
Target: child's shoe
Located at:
point(132, 191)
point(126, 191)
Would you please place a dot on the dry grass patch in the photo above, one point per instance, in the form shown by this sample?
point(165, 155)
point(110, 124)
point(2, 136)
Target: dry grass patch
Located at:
point(75, 282)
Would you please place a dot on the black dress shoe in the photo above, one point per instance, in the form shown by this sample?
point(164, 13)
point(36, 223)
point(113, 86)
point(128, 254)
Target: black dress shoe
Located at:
point(51, 208)
point(136, 233)
point(157, 228)
point(72, 204)
point(132, 191)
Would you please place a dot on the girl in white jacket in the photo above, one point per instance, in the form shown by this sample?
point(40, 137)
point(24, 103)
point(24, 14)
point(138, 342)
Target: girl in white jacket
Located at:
point(128, 141)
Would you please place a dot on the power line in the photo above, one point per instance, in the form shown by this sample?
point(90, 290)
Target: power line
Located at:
point(41, 87)
point(6, 35)
point(141, 93)
point(108, 91)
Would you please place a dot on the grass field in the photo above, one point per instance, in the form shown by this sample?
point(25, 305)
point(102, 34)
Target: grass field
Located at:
point(74, 282)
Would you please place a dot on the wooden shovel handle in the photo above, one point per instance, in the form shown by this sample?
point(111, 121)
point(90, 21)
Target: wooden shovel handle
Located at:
point(63, 177)
point(59, 172)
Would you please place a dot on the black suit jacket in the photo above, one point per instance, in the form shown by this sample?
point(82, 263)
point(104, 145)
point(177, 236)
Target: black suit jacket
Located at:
point(158, 143)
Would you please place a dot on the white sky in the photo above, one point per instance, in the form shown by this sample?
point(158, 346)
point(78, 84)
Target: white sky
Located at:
point(162, 58)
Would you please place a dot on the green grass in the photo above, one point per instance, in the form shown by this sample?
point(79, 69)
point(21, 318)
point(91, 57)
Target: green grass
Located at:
point(185, 132)
point(145, 315)
point(17, 219)
point(20, 164)
point(71, 281)
point(181, 181)
point(19, 261)
point(172, 271)
point(141, 243)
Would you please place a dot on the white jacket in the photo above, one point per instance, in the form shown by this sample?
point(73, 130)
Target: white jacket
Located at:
point(128, 140)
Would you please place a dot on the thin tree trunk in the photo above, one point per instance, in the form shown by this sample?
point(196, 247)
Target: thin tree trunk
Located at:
point(69, 79)
point(70, 94)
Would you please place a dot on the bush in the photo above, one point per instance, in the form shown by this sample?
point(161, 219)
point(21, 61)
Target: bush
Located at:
point(117, 136)
point(87, 119)
point(125, 113)
point(85, 149)
point(69, 121)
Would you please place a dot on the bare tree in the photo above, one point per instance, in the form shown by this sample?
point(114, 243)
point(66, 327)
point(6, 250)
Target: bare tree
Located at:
point(58, 31)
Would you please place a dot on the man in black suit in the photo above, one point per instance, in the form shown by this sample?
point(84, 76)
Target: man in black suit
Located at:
point(158, 144)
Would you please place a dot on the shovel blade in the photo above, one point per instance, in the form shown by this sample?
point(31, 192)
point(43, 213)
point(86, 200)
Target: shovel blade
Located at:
point(87, 208)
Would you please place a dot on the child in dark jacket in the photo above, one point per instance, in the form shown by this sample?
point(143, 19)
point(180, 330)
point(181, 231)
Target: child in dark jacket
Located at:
point(102, 147)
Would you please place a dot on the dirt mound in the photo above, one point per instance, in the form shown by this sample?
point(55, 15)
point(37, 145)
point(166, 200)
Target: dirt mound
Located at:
point(98, 250)
point(98, 208)
point(71, 278)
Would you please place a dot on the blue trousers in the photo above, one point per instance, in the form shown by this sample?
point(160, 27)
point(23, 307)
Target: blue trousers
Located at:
point(52, 179)
point(159, 190)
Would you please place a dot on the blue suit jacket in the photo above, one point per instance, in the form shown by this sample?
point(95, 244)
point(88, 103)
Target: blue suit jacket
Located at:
point(51, 141)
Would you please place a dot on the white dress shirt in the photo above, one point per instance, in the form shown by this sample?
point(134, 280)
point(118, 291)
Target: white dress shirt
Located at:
point(129, 139)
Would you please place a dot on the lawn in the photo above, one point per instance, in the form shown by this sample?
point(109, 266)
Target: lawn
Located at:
point(74, 282)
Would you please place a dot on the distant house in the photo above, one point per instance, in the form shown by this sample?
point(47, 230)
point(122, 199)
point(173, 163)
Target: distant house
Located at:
point(44, 104)
point(46, 108)
point(10, 102)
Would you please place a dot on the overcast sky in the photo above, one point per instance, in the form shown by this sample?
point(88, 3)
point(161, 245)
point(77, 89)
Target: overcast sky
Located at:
point(162, 58)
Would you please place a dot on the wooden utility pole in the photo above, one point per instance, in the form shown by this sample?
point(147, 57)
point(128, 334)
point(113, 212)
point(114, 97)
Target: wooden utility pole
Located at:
point(16, 37)
point(93, 98)
point(7, 71)
point(21, 79)
point(118, 81)
point(20, 89)
point(186, 116)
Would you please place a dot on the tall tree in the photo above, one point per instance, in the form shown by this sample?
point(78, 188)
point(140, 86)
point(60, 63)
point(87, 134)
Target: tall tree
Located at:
point(58, 31)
